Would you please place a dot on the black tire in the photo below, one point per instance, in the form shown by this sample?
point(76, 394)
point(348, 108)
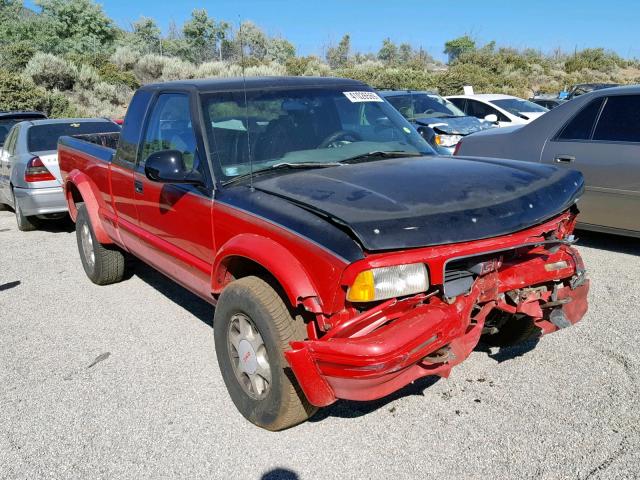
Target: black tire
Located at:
point(283, 404)
point(108, 263)
point(25, 224)
point(512, 329)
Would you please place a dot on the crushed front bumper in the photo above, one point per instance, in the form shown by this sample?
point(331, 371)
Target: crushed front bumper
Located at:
point(399, 341)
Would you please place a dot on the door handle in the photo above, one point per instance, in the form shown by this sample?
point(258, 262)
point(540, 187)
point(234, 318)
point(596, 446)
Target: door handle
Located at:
point(565, 159)
point(139, 186)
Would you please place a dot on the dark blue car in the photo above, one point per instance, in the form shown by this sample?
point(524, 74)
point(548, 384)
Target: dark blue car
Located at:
point(439, 121)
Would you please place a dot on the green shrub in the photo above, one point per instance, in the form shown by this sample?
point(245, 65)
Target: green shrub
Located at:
point(51, 72)
point(176, 69)
point(15, 56)
point(125, 58)
point(17, 93)
point(149, 68)
point(88, 77)
point(110, 73)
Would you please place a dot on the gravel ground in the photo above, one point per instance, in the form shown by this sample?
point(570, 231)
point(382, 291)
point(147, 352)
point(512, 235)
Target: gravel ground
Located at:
point(122, 382)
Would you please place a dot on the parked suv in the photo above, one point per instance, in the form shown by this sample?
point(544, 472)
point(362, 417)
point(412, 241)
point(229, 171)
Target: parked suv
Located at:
point(9, 119)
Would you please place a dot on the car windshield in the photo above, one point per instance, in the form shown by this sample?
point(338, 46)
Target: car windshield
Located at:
point(424, 105)
point(44, 137)
point(303, 128)
point(5, 127)
point(517, 106)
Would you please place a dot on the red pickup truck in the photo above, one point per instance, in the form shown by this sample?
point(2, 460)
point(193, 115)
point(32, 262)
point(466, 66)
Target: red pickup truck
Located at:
point(345, 259)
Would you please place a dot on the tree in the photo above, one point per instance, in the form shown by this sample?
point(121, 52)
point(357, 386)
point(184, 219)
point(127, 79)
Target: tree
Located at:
point(388, 53)
point(80, 25)
point(280, 50)
point(146, 35)
point(204, 36)
point(338, 56)
point(253, 40)
point(458, 46)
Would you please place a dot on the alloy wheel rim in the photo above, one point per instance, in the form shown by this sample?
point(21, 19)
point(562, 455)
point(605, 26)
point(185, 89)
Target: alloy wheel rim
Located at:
point(87, 245)
point(249, 358)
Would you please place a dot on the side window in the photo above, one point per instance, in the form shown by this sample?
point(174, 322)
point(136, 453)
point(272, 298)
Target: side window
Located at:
point(460, 103)
point(169, 128)
point(619, 120)
point(12, 140)
point(581, 126)
point(481, 110)
point(131, 130)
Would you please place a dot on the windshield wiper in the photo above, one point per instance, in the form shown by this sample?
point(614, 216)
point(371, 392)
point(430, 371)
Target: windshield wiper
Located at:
point(381, 154)
point(284, 166)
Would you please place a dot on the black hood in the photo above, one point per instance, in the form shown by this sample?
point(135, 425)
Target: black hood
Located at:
point(414, 202)
point(455, 125)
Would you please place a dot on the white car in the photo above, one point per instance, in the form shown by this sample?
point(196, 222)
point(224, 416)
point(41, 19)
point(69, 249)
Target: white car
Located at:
point(505, 110)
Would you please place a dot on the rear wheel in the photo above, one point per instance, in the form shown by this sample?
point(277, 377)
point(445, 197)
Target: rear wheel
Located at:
point(25, 224)
point(102, 264)
point(252, 328)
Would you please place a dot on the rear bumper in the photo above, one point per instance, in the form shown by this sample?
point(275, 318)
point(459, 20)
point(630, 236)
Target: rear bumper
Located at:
point(395, 343)
point(41, 201)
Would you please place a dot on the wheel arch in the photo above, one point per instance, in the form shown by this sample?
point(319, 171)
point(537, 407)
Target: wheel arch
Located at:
point(250, 254)
point(79, 188)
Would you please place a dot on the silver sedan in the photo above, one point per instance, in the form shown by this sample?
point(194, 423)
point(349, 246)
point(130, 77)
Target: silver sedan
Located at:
point(29, 172)
point(597, 133)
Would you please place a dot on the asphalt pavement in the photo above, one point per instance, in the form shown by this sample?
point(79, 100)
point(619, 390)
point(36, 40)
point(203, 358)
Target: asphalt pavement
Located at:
point(122, 382)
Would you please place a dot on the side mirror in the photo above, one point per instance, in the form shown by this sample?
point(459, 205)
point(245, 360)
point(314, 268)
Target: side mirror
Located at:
point(167, 166)
point(492, 117)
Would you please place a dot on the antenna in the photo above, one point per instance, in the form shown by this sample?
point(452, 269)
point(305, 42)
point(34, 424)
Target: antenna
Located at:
point(246, 105)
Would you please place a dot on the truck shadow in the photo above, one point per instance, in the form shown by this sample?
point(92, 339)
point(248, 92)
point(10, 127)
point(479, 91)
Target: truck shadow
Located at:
point(350, 409)
point(610, 242)
point(174, 292)
point(502, 354)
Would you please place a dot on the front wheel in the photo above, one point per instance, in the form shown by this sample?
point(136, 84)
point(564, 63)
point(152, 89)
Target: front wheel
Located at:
point(252, 328)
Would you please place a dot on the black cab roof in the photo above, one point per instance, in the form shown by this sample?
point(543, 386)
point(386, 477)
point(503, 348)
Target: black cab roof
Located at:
point(254, 83)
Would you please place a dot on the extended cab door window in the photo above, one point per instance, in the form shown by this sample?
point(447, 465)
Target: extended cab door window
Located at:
point(170, 128)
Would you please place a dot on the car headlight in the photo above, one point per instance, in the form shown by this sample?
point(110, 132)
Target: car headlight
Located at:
point(447, 140)
point(389, 282)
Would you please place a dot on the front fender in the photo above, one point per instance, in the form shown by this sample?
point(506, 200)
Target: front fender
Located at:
point(276, 259)
point(91, 198)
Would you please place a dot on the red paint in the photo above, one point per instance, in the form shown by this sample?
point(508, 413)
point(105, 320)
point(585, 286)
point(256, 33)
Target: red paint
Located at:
point(351, 354)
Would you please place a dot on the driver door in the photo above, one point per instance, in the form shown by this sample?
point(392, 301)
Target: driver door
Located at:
point(175, 220)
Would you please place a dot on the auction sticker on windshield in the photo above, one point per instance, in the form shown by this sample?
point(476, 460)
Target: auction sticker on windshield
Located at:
point(356, 97)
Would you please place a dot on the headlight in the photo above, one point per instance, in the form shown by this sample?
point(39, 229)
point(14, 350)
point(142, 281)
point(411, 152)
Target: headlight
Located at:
point(447, 140)
point(389, 282)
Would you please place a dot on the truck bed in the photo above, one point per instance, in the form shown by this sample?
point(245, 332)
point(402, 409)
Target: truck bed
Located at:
point(101, 146)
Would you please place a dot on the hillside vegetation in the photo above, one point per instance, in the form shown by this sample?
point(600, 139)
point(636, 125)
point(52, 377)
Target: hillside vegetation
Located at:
point(69, 58)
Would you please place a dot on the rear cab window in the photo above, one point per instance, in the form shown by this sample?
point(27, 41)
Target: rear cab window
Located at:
point(44, 137)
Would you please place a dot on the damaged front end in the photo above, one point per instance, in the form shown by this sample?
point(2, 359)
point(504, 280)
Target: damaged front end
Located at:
point(369, 352)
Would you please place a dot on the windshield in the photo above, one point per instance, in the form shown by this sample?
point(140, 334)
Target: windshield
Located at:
point(517, 106)
point(5, 127)
point(302, 127)
point(424, 105)
point(44, 137)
